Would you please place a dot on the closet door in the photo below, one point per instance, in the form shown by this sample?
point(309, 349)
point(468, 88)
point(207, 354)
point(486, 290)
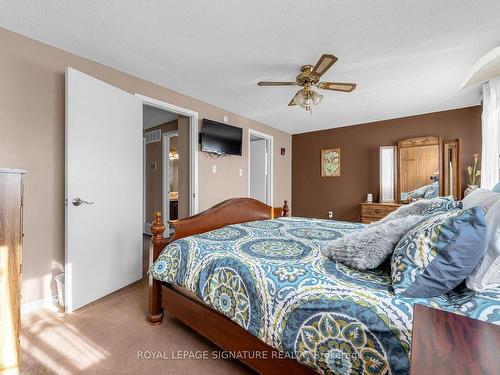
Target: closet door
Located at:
point(103, 189)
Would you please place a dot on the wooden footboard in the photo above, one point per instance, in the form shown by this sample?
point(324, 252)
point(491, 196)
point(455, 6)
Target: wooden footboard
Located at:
point(229, 336)
point(231, 211)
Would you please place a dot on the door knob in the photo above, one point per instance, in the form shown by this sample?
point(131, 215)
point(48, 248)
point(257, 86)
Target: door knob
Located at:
point(77, 202)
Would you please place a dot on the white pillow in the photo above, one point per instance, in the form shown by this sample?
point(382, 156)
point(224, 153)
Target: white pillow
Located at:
point(481, 197)
point(487, 274)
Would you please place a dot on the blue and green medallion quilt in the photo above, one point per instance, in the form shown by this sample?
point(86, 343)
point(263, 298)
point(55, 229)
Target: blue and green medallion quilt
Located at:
point(270, 278)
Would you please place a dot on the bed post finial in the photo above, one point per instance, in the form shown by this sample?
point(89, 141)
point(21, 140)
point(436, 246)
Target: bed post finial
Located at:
point(158, 242)
point(286, 209)
point(158, 228)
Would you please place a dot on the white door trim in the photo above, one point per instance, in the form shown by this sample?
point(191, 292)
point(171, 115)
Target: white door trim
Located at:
point(193, 145)
point(146, 226)
point(270, 165)
point(165, 181)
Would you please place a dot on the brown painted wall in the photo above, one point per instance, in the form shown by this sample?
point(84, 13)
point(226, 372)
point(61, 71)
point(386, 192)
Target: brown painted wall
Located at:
point(32, 138)
point(314, 196)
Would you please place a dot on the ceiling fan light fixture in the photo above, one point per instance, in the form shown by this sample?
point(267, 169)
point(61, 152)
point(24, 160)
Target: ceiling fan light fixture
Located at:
point(299, 97)
point(308, 78)
point(308, 102)
point(316, 98)
point(307, 99)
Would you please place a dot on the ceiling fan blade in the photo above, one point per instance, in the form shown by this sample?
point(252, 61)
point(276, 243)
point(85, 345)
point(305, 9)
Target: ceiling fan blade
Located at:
point(324, 63)
point(270, 83)
point(337, 86)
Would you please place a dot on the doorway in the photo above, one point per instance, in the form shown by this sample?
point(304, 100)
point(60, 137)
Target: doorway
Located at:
point(260, 166)
point(165, 165)
point(188, 120)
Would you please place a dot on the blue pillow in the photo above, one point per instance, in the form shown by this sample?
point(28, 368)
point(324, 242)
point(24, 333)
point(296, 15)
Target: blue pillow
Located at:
point(438, 253)
point(496, 189)
point(432, 190)
point(441, 205)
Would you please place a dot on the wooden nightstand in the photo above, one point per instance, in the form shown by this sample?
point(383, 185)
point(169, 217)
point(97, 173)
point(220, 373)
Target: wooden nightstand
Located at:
point(446, 343)
point(371, 212)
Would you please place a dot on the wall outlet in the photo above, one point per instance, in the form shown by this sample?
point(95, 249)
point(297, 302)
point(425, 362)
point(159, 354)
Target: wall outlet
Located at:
point(241, 172)
point(330, 215)
point(214, 168)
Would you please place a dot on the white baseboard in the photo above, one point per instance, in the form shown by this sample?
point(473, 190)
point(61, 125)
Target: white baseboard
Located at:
point(47, 302)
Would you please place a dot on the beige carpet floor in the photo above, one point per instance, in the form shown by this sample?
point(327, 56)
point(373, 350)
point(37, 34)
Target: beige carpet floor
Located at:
point(111, 336)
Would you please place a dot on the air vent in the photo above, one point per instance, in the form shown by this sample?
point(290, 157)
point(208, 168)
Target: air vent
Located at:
point(153, 136)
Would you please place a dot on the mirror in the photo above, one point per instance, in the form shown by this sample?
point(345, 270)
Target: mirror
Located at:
point(173, 177)
point(452, 177)
point(388, 173)
point(419, 168)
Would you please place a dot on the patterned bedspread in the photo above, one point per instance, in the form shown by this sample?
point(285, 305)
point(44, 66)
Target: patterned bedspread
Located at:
point(270, 278)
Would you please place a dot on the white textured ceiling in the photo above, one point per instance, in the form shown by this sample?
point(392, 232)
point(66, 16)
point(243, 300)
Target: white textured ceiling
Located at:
point(152, 116)
point(408, 57)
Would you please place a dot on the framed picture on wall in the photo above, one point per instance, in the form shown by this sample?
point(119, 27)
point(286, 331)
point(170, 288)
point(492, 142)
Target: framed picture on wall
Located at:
point(330, 162)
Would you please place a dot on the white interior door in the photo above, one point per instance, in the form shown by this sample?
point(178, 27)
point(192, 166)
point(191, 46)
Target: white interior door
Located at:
point(103, 170)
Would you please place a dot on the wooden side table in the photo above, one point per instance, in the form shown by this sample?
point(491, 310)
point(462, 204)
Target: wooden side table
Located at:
point(447, 343)
point(371, 212)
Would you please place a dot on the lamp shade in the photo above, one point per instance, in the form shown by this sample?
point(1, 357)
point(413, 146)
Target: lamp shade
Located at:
point(299, 97)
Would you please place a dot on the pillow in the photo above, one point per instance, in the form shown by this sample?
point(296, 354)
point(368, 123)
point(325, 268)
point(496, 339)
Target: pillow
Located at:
point(368, 248)
point(441, 205)
point(487, 273)
point(496, 189)
point(438, 253)
point(432, 191)
point(481, 197)
point(415, 208)
point(418, 193)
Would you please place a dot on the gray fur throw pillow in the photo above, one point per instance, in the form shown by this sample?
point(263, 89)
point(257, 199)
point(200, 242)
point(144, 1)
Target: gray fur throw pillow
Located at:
point(415, 208)
point(369, 247)
point(421, 207)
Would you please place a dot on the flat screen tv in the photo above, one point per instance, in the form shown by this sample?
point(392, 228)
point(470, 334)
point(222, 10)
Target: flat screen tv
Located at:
point(219, 138)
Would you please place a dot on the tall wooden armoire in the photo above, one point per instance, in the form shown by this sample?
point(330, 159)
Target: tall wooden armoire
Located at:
point(11, 239)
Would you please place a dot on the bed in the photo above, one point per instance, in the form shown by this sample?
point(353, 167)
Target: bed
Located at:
point(249, 281)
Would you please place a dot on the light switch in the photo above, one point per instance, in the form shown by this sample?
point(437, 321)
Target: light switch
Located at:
point(241, 172)
point(214, 168)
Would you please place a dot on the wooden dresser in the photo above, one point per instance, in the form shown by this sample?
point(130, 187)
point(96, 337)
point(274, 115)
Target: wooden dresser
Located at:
point(446, 343)
point(11, 238)
point(371, 212)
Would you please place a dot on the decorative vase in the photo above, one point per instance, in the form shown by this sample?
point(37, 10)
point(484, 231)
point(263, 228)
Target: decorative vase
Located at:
point(470, 189)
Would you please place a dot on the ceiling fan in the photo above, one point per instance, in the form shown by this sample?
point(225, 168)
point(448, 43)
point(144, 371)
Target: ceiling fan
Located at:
point(308, 78)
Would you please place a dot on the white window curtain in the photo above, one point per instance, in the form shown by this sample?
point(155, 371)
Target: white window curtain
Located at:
point(490, 165)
